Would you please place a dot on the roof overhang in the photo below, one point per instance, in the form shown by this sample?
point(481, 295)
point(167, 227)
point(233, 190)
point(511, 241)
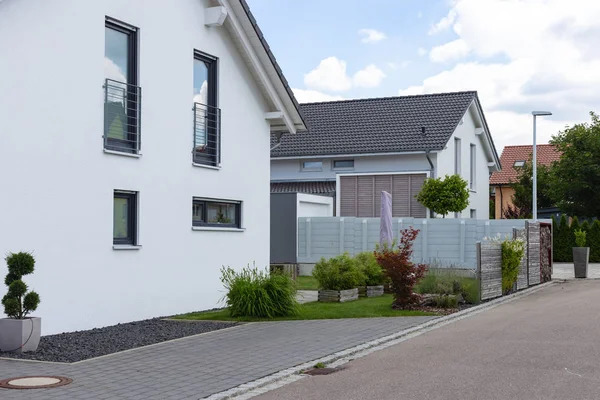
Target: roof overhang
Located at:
point(284, 112)
point(483, 132)
point(354, 155)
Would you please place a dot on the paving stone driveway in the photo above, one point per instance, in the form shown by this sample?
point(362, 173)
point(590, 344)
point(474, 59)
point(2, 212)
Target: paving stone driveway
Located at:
point(196, 367)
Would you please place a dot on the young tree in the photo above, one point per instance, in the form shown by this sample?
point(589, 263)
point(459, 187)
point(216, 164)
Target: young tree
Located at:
point(442, 196)
point(576, 177)
point(522, 199)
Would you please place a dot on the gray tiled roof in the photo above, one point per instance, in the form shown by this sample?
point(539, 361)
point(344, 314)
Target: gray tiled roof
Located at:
point(314, 187)
point(377, 125)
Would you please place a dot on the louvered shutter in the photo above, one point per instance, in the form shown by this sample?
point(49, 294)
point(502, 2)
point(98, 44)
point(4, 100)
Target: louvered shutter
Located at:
point(417, 210)
point(348, 195)
point(365, 195)
point(382, 183)
point(400, 200)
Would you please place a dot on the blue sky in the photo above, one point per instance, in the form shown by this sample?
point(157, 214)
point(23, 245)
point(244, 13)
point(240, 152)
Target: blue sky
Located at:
point(519, 55)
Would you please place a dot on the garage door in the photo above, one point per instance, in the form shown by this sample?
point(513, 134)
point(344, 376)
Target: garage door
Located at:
point(360, 195)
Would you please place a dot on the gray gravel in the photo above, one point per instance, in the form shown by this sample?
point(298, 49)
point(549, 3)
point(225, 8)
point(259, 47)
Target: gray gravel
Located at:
point(81, 345)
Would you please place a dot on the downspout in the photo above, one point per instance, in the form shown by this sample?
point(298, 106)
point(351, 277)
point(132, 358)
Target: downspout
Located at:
point(432, 167)
point(278, 135)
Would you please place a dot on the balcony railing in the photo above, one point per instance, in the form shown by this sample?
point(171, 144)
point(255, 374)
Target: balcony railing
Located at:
point(207, 135)
point(122, 112)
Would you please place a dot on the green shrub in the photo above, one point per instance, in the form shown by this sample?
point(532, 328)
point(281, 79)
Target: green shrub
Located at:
point(367, 264)
point(446, 301)
point(580, 235)
point(574, 227)
point(512, 254)
point(562, 246)
point(255, 293)
point(338, 273)
point(593, 239)
point(17, 302)
point(446, 282)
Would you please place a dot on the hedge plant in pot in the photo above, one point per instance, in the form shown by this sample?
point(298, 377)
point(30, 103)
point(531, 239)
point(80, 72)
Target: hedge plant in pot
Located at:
point(19, 332)
point(374, 275)
point(339, 278)
point(581, 254)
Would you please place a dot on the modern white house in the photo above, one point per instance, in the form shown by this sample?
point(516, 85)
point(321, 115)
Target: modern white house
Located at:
point(134, 152)
point(355, 149)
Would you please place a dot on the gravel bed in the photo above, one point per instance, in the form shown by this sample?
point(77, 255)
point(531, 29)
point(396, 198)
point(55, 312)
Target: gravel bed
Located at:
point(81, 345)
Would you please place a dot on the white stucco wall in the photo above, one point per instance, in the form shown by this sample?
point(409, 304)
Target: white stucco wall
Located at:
point(479, 198)
point(284, 170)
point(313, 206)
point(58, 184)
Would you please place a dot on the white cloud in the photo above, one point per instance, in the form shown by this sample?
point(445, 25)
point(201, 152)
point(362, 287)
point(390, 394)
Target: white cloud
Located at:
point(549, 62)
point(421, 51)
point(313, 96)
point(371, 35)
point(443, 23)
point(449, 51)
point(395, 66)
point(330, 75)
point(369, 77)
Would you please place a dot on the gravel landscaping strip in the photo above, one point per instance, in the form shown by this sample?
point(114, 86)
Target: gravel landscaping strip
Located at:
point(81, 345)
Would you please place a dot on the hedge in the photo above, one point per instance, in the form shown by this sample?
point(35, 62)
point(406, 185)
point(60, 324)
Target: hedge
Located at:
point(564, 239)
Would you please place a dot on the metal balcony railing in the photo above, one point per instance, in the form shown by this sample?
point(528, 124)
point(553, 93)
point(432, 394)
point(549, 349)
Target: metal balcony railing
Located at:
point(122, 117)
point(207, 135)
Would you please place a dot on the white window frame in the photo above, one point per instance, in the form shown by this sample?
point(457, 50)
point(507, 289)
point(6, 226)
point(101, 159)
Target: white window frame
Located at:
point(311, 169)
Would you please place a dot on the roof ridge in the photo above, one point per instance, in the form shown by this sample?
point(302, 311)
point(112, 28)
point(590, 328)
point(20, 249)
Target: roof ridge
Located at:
point(473, 92)
point(529, 145)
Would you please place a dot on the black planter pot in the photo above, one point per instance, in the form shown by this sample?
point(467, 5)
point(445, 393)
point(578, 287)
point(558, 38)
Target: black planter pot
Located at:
point(581, 257)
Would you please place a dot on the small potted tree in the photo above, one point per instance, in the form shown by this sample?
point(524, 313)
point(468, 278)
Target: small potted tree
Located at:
point(339, 278)
point(374, 275)
point(581, 254)
point(18, 332)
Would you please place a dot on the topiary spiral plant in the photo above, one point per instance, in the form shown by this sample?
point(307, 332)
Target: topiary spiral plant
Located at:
point(18, 302)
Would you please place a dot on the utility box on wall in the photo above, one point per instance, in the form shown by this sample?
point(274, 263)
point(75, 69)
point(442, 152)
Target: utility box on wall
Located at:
point(285, 210)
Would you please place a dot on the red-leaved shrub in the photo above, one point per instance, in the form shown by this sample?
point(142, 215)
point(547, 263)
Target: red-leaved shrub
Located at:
point(403, 273)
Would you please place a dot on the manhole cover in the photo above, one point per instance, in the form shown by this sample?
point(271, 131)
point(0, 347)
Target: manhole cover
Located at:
point(35, 382)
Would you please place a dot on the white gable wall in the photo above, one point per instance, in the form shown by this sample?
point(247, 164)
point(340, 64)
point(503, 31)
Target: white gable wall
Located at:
point(479, 198)
point(58, 184)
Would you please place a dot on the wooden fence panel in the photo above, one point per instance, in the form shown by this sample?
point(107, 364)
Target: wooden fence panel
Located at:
point(522, 280)
point(490, 269)
point(533, 252)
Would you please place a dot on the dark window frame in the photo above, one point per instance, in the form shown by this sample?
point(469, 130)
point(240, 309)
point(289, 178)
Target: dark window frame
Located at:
point(133, 143)
point(304, 168)
point(343, 161)
point(205, 202)
point(132, 217)
point(212, 157)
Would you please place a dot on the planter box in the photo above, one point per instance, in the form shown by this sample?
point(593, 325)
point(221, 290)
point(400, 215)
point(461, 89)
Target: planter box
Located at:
point(370, 291)
point(338, 296)
point(20, 335)
point(387, 288)
point(581, 257)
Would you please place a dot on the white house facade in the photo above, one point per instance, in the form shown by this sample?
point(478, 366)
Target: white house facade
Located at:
point(357, 148)
point(134, 152)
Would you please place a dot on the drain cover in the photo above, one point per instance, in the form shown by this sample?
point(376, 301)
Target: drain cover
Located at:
point(35, 382)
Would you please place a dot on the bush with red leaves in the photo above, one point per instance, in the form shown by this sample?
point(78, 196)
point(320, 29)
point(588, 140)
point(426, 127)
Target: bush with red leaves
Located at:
point(403, 273)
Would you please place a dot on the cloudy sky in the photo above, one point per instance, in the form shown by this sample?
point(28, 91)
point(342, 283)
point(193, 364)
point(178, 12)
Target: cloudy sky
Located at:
point(520, 55)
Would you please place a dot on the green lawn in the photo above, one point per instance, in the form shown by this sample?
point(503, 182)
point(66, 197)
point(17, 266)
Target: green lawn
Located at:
point(307, 283)
point(362, 308)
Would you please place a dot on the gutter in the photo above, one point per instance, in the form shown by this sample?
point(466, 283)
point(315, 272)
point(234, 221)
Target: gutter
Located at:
point(278, 135)
point(430, 163)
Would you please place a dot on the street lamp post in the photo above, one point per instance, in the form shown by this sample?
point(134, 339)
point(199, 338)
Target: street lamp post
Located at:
point(534, 200)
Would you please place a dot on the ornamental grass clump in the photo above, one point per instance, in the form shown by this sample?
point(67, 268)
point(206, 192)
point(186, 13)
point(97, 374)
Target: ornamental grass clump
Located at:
point(338, 273)
point(580, 238)
point(368, 265)
point(403, 273)
point(18, 303)
point(256, 293)
point(512, 254)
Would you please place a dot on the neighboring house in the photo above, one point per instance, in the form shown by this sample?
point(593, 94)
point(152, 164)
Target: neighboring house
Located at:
point(513, 158)
point(134, 152)
point(357, 148)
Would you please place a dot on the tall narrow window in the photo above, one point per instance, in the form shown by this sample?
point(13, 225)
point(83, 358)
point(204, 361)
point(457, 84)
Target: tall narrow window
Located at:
point(457, 156)
point(207, 116)
point(125, 218)
point(122, 96)
point(472, 180)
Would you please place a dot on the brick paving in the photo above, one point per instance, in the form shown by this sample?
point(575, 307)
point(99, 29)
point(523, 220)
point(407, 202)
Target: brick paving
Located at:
point(196, 367)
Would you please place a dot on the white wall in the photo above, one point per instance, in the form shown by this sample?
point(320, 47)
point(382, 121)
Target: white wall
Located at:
point(479, 198)
point(314, 206)
point(282, 170)
point(58, 184)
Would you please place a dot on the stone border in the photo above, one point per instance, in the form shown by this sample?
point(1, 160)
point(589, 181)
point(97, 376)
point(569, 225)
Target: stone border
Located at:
point(287, 376)
point(62, 381)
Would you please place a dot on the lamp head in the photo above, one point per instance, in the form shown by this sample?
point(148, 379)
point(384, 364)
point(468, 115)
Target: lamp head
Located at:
point(540, 113)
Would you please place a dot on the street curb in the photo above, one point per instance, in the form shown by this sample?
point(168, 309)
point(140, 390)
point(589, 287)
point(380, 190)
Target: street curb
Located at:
point(282, 378)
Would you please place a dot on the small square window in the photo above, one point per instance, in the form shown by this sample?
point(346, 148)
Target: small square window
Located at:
point(312, 165)
point(216, 213)
point(519, 164)
point(343, 164)
point(473, 213)
point(125, 218)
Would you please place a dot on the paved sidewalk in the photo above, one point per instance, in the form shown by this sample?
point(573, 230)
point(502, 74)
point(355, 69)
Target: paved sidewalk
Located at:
point(565, 271)
point(199, 366)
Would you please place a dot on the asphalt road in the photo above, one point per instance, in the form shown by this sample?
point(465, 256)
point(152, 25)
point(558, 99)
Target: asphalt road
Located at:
point(543, 346)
